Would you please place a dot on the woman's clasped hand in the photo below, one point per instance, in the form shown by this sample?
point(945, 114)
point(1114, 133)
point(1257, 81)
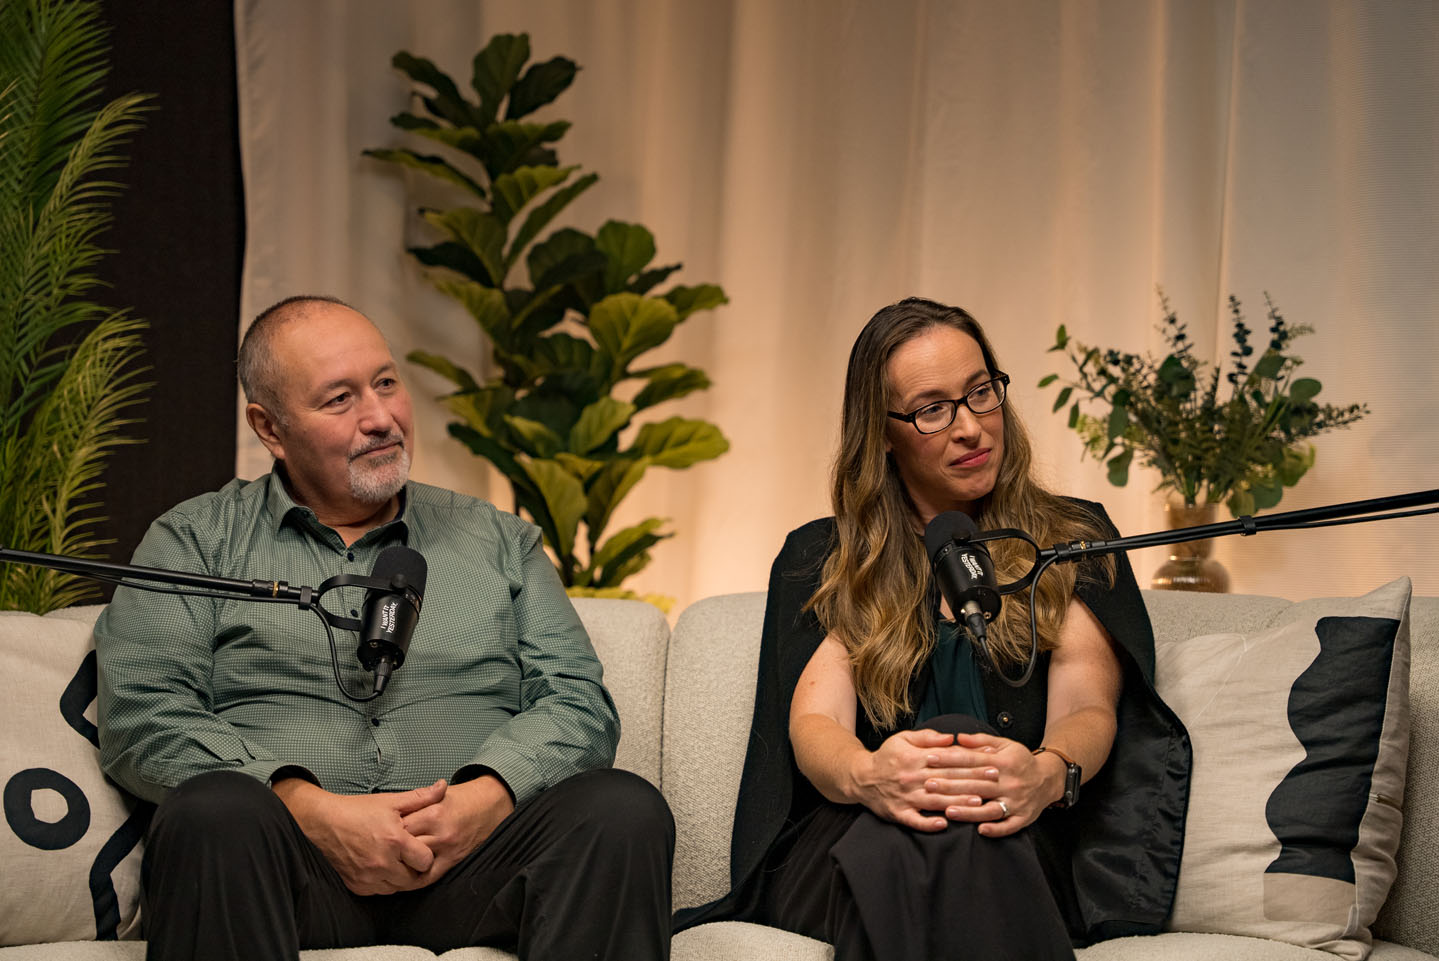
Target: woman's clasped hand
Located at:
point(924, 779)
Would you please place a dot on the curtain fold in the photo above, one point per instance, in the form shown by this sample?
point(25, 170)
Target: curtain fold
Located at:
point(1037, 162)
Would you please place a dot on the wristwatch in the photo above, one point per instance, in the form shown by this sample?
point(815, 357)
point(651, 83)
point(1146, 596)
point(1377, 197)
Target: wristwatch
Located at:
point(1072, 774)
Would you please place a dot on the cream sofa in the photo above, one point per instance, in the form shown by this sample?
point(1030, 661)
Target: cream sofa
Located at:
point(684, 696)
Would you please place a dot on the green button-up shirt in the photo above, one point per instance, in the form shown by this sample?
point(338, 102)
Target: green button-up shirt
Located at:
point(500, 674)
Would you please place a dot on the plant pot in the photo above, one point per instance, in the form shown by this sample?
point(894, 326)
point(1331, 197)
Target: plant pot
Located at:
point(1190, 568)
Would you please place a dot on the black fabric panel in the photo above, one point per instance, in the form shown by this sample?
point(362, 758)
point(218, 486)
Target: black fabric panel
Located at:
point(1336, 709)
point(177, 243)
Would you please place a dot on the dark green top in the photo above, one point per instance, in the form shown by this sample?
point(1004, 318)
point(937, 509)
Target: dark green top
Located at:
point(955, 684)
point(500, 674)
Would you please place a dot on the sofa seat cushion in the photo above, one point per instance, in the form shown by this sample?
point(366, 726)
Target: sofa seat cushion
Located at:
point(742, 941)
point(1226, 947)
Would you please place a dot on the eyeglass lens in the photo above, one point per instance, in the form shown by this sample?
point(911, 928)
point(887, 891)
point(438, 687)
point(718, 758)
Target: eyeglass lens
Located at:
point(982, 399)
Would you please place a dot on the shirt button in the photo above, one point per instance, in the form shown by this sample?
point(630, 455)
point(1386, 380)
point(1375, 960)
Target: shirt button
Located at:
point(354, 613)
point(1004, 719)
point(350, 555)
point(375, 721)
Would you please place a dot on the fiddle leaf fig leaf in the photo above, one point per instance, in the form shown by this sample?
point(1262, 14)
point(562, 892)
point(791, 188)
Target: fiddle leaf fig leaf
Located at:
point(456, 257)
point(563, 256)
point(466, 139)
point(479, 409)
point(408, 121)
point(496, 68)
point(627, 543)
point(537, 439)
point(669, 382)
point(482, 233)
point(458, 376)
point(431, 164)
point(679, 443)
point(563, 495)
point(561, 351)
point(582, 467)
point(485, 304)
point(607, 489)
point(517, 188)
point(541, 216)
point(540, 85)
point(447, 102)
point(648, 280)
point(626, 325)
point(598, 422)
point(629, 247)
point(690, 300)
point(509, 144)
point(486, 446)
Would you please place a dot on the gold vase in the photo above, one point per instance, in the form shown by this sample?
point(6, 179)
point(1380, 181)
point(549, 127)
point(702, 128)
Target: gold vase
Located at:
point(1190, 568)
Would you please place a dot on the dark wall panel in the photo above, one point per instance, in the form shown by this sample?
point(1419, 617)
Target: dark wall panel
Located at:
point(178, 241)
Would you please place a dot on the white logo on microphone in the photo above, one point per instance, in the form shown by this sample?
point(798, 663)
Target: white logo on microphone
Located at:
point(387, 615)
point(972, 565)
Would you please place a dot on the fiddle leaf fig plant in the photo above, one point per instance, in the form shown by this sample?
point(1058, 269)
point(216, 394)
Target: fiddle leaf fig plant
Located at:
point(569, 316)
point(1237, 438)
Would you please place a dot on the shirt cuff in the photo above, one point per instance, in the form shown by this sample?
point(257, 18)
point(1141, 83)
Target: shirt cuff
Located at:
point(519, 773)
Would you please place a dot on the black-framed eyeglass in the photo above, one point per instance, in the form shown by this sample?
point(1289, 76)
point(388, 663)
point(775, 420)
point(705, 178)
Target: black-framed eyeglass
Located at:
point(937, 415)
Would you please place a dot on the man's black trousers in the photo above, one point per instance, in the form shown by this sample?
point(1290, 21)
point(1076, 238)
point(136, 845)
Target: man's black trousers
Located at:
point(581, 871)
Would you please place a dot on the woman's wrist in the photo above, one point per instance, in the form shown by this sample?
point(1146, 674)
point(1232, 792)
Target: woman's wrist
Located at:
point(1054, 772)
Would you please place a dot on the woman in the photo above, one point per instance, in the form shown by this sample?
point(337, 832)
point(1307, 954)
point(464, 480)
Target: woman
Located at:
point(899, 798)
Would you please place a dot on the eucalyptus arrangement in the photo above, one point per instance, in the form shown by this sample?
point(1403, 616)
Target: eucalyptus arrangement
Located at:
point(1236, 438)
point(69, 367)
point(556, 408)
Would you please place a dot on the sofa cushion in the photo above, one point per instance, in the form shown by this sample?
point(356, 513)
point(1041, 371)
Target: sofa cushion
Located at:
point(1300, 734)
point(709, 702)
point(70, 843)
point(632, 640)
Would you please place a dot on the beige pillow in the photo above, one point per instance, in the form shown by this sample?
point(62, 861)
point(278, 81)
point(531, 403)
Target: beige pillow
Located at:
point(70, 844)
point(1301, 736)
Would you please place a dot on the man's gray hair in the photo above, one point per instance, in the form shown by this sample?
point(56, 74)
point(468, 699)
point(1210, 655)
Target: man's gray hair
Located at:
point(260, 376)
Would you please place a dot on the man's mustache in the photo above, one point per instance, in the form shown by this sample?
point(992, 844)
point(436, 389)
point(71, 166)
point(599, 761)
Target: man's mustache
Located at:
point(385, 441)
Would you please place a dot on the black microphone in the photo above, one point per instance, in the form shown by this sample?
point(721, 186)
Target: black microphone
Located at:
point(391, 614)
point(964, 570)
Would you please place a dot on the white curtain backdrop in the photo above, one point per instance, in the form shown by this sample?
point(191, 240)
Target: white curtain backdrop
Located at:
point(1038, 162)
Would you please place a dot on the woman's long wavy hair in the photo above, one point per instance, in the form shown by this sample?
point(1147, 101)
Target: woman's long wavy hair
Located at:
point(875, 596)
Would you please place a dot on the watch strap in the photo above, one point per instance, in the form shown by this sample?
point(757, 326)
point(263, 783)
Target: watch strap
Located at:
point(1073, 773)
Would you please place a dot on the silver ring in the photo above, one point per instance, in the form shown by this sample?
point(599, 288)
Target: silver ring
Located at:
point(1003, 807)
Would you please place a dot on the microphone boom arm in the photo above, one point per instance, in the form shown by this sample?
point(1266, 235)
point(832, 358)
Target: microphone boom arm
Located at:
point(1351, 512)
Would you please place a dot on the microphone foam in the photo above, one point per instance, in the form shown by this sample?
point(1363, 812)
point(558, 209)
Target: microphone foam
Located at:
point(946, 527)
point(402, 560)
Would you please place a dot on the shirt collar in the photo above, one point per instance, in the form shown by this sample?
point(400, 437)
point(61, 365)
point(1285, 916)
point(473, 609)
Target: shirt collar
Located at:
point(282, 508)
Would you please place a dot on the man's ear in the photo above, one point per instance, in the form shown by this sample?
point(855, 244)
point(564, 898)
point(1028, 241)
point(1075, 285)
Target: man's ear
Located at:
point(266, 427)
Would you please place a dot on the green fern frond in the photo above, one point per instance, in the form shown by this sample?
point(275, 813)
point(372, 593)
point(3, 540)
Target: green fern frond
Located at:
point(69, 368)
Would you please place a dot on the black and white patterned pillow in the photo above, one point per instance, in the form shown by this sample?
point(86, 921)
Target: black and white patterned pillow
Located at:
point(1301, 741)
point(71, 842)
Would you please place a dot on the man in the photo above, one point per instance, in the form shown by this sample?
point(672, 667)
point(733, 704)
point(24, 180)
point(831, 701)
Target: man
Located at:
point(471, 803)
